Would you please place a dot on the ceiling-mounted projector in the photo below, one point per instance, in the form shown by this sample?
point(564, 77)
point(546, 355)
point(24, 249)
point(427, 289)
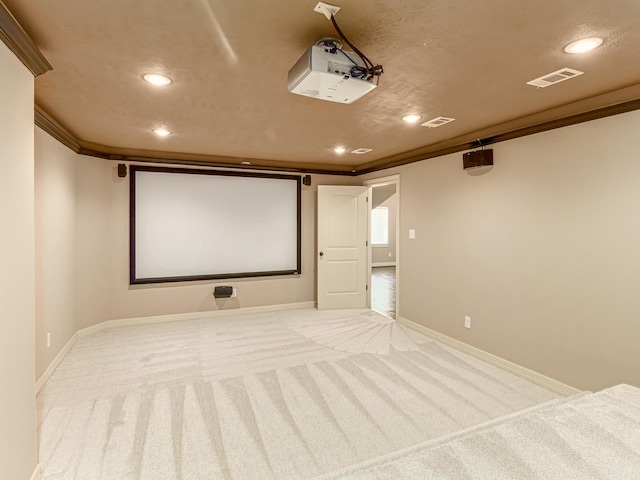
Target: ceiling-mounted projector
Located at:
point(329, 73)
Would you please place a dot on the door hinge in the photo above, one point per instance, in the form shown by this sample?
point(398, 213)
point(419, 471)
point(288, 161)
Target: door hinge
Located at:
point(367, 287)
point(366, 243)
point(367, 199)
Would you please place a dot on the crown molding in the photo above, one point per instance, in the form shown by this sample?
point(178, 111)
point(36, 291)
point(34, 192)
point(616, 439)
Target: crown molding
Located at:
point(17, 40)
point(211, 161)
point(52, 127)
point(593, 108)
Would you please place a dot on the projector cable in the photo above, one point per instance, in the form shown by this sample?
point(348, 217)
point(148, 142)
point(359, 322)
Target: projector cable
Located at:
point(371, 69)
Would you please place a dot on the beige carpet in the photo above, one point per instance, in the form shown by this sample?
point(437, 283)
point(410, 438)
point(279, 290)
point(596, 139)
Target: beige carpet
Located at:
point(586, 437)
point(284, 395)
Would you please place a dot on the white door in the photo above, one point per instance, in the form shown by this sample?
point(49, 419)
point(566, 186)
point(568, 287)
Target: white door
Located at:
point(342, 247)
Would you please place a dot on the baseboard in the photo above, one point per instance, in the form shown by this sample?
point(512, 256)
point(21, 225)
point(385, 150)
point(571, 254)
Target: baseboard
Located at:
point(37, 474)
point(535, 377)
point(126, 322)
point(383, 264)
point(56, 361)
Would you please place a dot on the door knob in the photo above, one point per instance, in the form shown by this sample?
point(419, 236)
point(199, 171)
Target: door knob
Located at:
point(321, 254)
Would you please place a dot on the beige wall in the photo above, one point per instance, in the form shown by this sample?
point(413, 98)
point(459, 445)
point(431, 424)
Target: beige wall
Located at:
point(95, 179)
point(55, 208)
point(387, 253)
point(543, 252)
point(82, 252)
point(104, 292)
point(17, 277)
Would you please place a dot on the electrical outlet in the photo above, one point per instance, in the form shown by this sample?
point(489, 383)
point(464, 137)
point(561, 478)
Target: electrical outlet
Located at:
point(389, 254)
point(235, 293)
point(48, 339)
point(467, 321)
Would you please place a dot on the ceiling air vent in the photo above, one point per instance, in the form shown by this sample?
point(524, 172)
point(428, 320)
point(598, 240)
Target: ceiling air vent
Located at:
point(555, 77)
point(436, 122)
point(362, 151)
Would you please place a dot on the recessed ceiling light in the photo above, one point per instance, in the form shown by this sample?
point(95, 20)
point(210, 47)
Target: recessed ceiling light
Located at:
point(161, 132)
point(156, 79)
point(413, 118)
point(339, 150)
point(583, 46)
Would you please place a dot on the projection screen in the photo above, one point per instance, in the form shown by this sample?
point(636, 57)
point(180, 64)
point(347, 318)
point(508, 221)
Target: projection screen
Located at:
point(190, 224)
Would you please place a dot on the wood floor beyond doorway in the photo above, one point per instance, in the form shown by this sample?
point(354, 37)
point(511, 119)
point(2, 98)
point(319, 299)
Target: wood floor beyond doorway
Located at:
point(383, 290)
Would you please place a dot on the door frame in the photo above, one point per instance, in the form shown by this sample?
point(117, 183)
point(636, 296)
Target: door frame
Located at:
point(379, 182)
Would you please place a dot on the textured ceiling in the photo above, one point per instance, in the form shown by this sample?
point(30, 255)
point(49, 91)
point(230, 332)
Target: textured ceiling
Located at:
point(466, 59)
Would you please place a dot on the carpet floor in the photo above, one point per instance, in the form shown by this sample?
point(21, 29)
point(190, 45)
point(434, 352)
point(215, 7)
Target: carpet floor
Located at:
point(586, 437)
point(282, 395)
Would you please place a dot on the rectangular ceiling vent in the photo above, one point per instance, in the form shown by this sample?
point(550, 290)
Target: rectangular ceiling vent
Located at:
point(362, 151)
point(555, 77)
point(436, 122)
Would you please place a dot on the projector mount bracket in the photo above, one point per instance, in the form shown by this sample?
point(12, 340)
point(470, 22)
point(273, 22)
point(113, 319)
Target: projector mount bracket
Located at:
point(326, 9)
point(331, 42)
point(370, 70)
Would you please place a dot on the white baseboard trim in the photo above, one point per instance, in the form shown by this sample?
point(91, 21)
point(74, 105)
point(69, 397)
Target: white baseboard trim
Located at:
point(383, 264)
point(37, 474)
point(127, 322)
point(535, 377)
point(56, 361)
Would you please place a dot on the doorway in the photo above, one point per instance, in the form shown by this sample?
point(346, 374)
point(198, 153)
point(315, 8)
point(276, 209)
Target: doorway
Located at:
point(384, 195)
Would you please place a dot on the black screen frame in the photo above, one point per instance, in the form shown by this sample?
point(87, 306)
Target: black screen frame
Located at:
point(133, 280)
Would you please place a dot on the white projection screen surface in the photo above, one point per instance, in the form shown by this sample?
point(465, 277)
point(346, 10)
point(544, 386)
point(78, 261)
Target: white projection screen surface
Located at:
point(200, 224)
